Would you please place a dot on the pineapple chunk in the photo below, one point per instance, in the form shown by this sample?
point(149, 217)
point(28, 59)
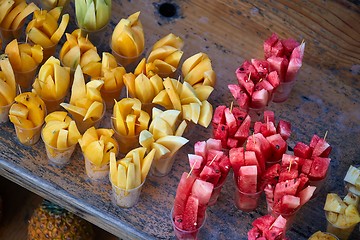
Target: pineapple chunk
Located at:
point(332, 217)
point(341, 221)
point(352, 215)
point(334, 203)
point(352, 175)
point(351, 199)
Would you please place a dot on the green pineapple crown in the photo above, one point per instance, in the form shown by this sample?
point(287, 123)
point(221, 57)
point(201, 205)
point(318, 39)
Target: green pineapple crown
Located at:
point(53, 208)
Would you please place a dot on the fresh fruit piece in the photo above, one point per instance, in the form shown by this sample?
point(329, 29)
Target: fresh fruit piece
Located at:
point(334, 203)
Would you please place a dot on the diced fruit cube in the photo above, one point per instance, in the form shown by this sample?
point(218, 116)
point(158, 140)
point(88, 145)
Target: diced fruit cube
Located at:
point(302, 150)
point(319, 168)
point(202, 191)
point(247, 181)
point(334, 203)
point(351, 199)
point(284, 129)
point(237, 158)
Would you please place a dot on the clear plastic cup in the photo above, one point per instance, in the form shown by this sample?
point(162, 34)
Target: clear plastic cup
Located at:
point(323, 235)
point(162, 167)
point(109, 96)
point(187, 235)
point(57, 156)
point(319, 184)
point(4, 113)
point(129, 63)
point(48, 52)
point(290, 217)
point(126, 143)
point(28, 136)
point(25, 78)
point(53, 104)
point(282, 92)
point(97, 36)
point(246, 202)
point(48, 5)
point(126, 198)
point(343, 233)
point(95, 172)
point(215, 194)
point(10, 34)
point(88, 123)
point(147, 107)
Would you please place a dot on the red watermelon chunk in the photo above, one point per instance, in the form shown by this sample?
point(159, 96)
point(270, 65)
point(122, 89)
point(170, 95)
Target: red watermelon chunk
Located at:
point(259, 99)
point(280, 222)
point(258, 143)
point(290, 160)
point(302, 150)
point(214, 155)
point(305, 168)
point(182, 193)
point(261, 66)
point(278, 64)
point(269, 116)
point(213, 143)
point(304, 180)
point(274, 79)
point(274, 233)
point(295, 62)
point(221, 133)
point(257, 127)
point(264, 84)
point(319, 168)
point(269, 193)
point(289, 45)
point(209, 174)
point(202, 191)
point(277, 49)
point(269, 43)
point(224, 166)
point(232, 142)
point(286, 174)
point(263, 223)
point(178, 221)
point(239, 115)
point(219, 116)
point(272, 172)
point(251, 160)
point(254, 234)
point(237, 158)
point(288, 204)
point(189, 221)
point(288, 187)
point(284, 129)
point(200, 148)
point(321, 149)
point(195, 162)
point(278, 146)
point(315, 138)
point(244, 130)
point(230, 121)
point(247, 180)
point(248, 69)
point(306, 194)
point(268, 129)
point(245, 82)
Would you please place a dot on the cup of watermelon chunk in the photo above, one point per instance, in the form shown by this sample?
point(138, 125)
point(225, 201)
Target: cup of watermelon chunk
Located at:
point(246, 201)
point(183, 234)
point(289, 216)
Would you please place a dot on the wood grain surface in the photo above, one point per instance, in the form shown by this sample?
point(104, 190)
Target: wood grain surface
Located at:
point(325, 98)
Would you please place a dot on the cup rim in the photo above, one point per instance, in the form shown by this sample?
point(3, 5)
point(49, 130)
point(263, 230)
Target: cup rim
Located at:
point(186, 231)
point(335, 225)
point(113, 52)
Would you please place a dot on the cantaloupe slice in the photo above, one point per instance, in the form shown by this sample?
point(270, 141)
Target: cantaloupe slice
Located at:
point(12, 50)
point(9, 18)
point(74, 134)
point(62, 139)
point(30, 8)
point(56, 36)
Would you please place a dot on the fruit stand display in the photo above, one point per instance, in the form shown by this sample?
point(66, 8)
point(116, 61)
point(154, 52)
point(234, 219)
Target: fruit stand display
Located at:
point(324, 101)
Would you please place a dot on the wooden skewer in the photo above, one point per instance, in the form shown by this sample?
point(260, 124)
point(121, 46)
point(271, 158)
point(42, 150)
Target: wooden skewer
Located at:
point(325, 135)
point(249, 77)
point(213, 160)
point(192, 168)
point(290, 165)
point(231, 106)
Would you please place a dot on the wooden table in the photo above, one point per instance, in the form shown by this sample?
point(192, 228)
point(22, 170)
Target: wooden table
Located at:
point(325, 98)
